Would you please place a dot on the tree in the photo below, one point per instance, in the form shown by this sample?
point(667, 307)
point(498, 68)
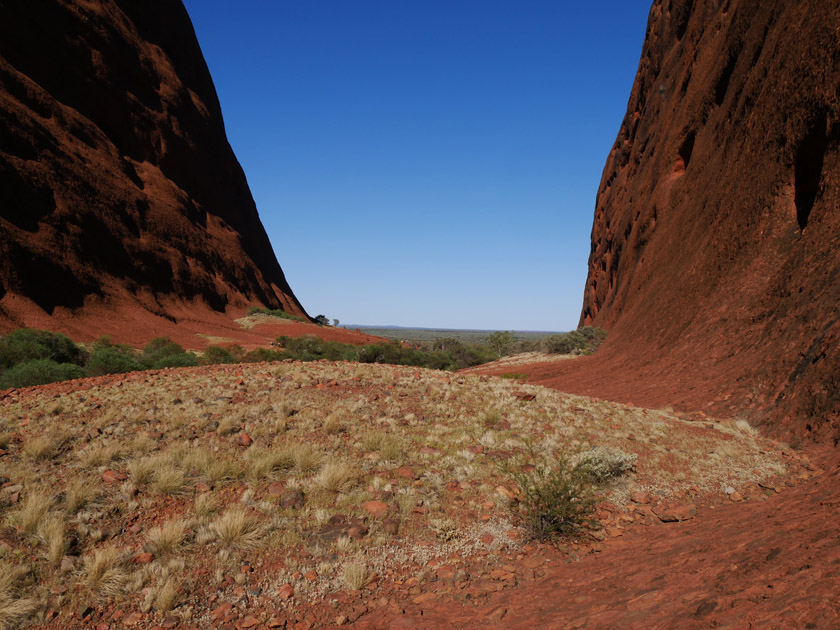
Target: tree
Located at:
point(322, 320)
point(500, 342)
point(335, 322)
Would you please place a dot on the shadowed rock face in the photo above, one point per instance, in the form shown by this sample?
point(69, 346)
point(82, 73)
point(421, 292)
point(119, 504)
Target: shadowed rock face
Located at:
point(117, 183)
point(715, 255)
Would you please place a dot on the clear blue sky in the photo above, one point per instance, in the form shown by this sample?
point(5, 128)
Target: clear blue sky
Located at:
point(424, 162)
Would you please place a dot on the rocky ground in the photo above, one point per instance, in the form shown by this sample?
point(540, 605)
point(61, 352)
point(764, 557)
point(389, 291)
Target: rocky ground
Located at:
point(310, 495)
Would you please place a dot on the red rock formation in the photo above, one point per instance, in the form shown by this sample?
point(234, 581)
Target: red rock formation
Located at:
point(715, 260)
point(120, 198)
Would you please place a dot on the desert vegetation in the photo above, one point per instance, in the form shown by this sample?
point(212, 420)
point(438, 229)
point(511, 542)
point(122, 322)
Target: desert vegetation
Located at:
point(35, 357)
point(164, 491)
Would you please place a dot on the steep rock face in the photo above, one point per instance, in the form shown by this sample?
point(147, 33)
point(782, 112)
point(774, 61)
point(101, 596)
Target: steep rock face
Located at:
point(118, 189)
point(715, 258)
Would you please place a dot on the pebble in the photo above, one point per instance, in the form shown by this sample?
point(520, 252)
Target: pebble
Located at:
point(377, 509)
point(675, 514)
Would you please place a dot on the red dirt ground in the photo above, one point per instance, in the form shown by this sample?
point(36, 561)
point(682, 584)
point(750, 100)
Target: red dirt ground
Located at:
point(768, 565)
point(194, 328)
point(772, 564)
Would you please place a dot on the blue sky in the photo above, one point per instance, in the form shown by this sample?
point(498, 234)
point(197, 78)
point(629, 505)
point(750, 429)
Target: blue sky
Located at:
point(426, 163)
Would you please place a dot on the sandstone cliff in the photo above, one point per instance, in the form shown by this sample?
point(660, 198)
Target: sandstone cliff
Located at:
point(715, 260)
point(120, 196)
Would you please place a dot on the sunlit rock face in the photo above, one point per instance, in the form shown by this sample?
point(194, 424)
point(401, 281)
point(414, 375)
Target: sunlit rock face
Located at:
point(714, 260)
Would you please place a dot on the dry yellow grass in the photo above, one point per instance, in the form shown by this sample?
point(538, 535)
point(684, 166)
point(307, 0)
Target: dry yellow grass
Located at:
point(339, 448)
point(167, 595)
point(42, 447)
point(15, 609)
point(336, 476)
point(52, 534)
point(31, 514)
point(356, 574)
point(168, 538)
point(237, 527)
point(78, 494)
point(168, 480)
point(106, 572)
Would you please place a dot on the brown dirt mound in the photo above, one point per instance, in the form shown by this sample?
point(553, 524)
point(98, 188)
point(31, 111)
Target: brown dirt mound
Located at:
point(714, 247)
point(120, 196)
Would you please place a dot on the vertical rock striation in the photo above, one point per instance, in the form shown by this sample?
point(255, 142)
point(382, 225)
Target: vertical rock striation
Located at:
point(715, 256)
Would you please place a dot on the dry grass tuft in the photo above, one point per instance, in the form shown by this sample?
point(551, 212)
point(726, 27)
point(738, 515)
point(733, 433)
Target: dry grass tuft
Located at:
point(15, 610)
point(228, 425)
point(391, 449)
point(306, 457)
point(211, 467)
point(52, 534)
point(206, 505)
point(105, 571)
point(169, 537)
point(31, 514)
point(356, 574)
point(42, 448)
point(333, 424)
point(167, 596)
point(263, 462)
point(143, 470)
point(103, 455)
point(168, 480)
point(78, 494)
point(238, 528)
point(336, 476)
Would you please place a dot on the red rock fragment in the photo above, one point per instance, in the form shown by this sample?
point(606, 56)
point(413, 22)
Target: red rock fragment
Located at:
point(112, 476)
point(405, 472)
point(143, 558)
point(524, 396)
point(675, 514)
point(377, 509)
point(286, 591)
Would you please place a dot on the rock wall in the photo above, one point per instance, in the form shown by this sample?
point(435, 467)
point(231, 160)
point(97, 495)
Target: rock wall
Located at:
point(118, 188)
point(715, 256)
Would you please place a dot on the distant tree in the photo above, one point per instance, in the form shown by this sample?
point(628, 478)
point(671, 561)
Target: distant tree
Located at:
point(336, 322)
point(322, 320)
point(500, 342)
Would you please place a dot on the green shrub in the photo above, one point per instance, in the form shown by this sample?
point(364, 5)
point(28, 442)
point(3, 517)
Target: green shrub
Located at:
point(275, 312)
point(162, 352)
point(500, 342)
point(26, 344)
point(584, 340)
point(107, 358)
point(555, 498)
point(38, 372)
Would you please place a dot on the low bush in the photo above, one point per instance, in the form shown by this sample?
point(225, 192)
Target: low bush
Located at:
point(584, 340)
point(27, 344)
point(604, 464)
point(275, 312)
point(39, 372)
point(108, 358)
point(162, 352)
point(554, 498)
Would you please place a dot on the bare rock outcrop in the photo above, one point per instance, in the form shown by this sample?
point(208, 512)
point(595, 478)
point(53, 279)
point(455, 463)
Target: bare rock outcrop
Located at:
point(714, 260)
point(120, 196)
